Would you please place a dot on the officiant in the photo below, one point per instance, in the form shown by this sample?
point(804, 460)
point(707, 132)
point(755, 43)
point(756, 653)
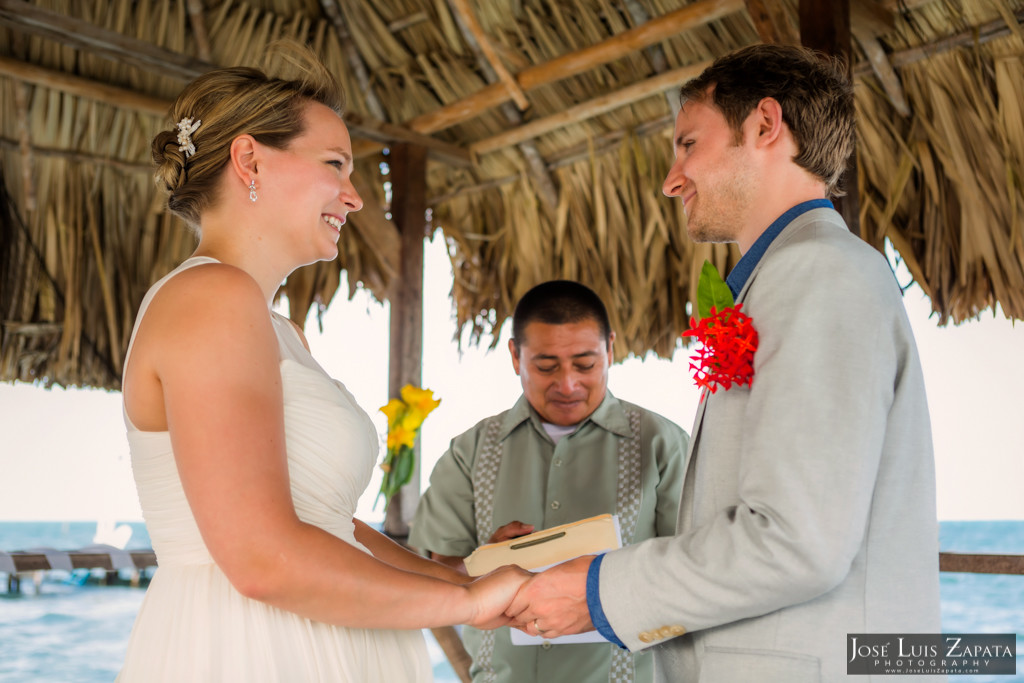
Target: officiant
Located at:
point(567, 450)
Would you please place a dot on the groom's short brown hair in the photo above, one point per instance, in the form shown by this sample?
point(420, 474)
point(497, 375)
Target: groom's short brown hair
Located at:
point(813, 90)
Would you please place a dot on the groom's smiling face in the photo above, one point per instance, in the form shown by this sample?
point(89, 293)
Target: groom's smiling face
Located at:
point(563, 369)
point(713, 173)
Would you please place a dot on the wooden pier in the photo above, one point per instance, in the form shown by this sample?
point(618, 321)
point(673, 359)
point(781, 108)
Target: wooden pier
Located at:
point(24, 561)
point(981, 564)
point(36, 561)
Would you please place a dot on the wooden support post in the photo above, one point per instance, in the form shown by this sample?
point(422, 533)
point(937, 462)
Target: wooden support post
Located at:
point(825, 26)
point(408, 211)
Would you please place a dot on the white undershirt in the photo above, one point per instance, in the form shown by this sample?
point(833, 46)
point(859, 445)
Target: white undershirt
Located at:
point(556, 432)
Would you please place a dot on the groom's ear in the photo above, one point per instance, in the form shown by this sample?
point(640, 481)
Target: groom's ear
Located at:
point(768, 125)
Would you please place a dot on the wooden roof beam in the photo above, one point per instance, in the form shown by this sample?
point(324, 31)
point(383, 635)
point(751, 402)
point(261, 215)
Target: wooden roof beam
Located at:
point(887, 76)
point(580, 61)
point(355, 60)
point(544, 183)
point(374, 228)
point(79, 157)
point(973, 36)
point(597, 146)
point(24, 16)
point(483, 41)
point(869, 19)
point(389, 133)
point(977, 35)
point(771, 22)
point(591, 108)
point(195, 18)
point(655, 53)
point(370, 222)
point(83, 87)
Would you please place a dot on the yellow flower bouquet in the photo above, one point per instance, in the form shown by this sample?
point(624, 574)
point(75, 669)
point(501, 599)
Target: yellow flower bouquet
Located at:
point(405, 417)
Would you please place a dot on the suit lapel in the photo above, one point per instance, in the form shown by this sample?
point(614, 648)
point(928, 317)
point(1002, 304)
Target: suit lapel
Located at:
point(685, 515)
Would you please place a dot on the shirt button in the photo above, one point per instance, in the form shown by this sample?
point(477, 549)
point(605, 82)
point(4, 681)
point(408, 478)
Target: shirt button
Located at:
point(558, 462)
point(546, 645)
point(555, 505)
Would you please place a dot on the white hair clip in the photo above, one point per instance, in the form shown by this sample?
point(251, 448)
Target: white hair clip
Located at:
point(185, 130)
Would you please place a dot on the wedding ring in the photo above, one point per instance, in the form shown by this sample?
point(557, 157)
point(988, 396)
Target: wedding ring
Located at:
point(536, 627)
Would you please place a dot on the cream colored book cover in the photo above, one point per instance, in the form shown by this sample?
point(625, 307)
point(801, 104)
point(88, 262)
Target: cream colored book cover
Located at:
point(542, 549)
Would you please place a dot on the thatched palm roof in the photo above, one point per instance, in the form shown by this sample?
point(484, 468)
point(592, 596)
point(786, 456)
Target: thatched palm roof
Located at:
point(547, 125)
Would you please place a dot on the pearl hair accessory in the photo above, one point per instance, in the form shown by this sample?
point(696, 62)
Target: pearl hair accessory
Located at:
point(252, 190)
point(185, 130)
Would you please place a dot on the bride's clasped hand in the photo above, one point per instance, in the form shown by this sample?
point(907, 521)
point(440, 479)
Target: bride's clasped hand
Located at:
point(493, 593)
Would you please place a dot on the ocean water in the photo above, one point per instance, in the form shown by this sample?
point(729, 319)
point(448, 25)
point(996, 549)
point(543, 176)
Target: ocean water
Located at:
point(66, 629)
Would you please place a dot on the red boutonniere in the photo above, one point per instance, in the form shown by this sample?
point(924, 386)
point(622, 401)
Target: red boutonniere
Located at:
point(726, 336)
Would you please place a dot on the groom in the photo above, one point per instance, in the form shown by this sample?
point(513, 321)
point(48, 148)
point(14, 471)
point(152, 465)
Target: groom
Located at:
point(809, 499)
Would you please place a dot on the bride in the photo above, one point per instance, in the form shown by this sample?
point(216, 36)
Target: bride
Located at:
point(247, 457)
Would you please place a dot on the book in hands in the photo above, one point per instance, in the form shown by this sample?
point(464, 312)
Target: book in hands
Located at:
point(543, 549)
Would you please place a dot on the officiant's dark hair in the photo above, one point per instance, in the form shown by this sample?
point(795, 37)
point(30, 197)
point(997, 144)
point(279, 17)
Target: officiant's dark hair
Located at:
point(559, 302)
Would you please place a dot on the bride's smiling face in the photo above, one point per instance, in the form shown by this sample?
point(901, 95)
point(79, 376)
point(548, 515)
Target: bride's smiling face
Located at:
point(310, 184)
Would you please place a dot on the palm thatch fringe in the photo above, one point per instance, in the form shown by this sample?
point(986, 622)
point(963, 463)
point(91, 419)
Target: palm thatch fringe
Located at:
point(611, 231)
point(946, 186)
point(85, 231)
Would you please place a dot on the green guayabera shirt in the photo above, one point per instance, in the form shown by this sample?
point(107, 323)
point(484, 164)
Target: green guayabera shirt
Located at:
point(622, 460)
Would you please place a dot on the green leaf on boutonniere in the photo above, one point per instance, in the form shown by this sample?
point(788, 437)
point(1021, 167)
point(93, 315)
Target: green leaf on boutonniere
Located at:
point(712, 291)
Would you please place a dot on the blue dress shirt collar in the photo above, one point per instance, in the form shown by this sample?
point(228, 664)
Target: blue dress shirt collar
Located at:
point(738, 277)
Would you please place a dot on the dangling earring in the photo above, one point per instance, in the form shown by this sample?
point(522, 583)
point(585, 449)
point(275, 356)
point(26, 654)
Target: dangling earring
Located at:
point(252, 190)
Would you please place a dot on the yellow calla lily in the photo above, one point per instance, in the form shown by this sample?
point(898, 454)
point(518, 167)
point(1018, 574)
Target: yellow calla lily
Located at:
point(405, 417)
point(394, 410)
point(400, 436)
point(419, 400)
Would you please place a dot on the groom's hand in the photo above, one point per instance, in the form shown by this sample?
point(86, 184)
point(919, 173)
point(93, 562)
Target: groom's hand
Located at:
point(554, 602)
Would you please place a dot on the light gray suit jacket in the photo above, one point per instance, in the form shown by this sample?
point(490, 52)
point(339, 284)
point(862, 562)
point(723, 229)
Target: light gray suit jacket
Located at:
point(808, 507)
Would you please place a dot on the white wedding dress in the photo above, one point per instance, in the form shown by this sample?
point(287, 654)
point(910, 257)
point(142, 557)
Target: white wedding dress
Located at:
point(193, 626)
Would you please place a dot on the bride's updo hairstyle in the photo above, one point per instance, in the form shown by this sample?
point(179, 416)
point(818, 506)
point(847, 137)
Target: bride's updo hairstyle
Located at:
point(267, 104)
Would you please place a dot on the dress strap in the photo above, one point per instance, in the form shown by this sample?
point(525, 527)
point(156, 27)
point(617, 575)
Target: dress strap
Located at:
point(151, 293)
point(143, 307)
